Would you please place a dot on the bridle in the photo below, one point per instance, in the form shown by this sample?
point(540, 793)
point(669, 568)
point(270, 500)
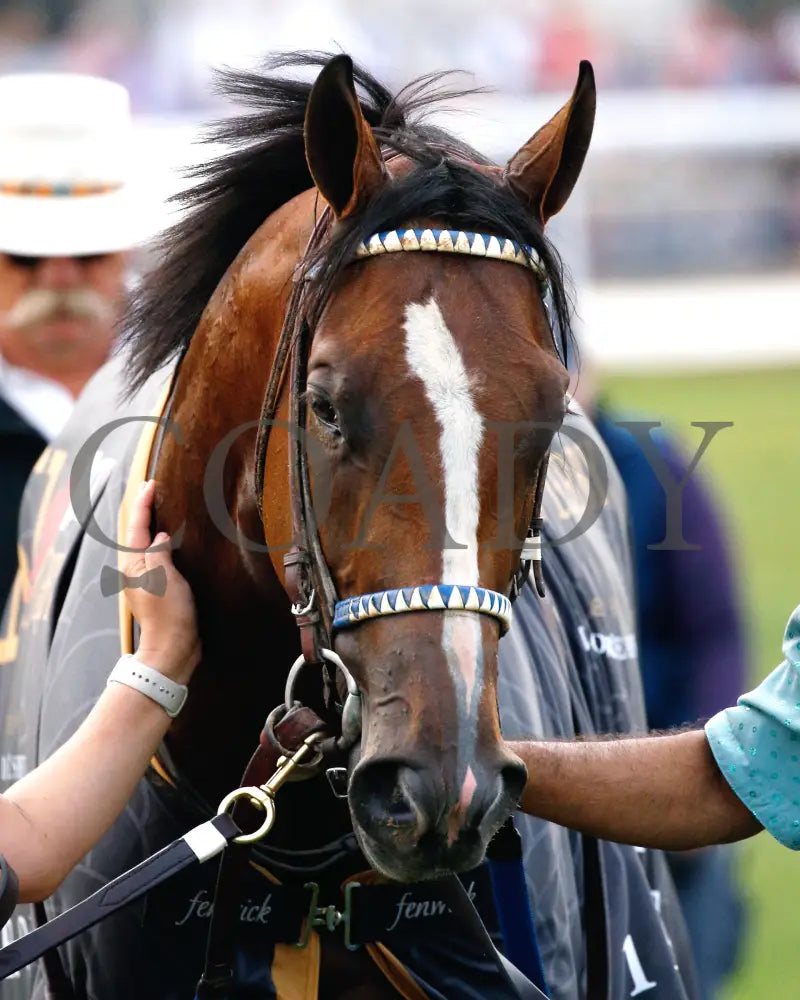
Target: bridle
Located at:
point(308, 582)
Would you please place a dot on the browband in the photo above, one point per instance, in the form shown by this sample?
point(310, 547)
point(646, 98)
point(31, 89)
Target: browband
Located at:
point(453, 241)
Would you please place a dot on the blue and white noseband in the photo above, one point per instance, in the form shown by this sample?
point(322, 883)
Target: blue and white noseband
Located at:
point(431, 597)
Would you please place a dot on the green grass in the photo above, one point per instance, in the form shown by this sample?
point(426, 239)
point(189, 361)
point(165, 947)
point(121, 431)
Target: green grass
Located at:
point(755, 468)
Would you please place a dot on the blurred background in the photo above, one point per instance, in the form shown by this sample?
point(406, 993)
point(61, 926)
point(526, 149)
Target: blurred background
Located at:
point(682, 237)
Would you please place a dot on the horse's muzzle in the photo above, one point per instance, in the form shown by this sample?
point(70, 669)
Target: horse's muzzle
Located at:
point(411, 827)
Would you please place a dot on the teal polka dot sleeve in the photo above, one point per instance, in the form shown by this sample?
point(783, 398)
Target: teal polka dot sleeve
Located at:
point(757, 744)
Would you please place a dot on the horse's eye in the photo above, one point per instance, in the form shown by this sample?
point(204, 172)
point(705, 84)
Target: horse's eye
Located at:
point(326, 414)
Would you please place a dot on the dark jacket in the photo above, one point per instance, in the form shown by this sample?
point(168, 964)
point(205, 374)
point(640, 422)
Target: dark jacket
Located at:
point(20, 446)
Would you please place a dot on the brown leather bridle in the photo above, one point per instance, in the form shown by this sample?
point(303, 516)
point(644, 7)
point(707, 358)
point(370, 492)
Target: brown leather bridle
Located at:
point(308, 580)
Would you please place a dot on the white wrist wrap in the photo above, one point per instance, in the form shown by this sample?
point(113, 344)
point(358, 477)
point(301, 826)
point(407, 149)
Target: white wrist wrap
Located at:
point(169, 695)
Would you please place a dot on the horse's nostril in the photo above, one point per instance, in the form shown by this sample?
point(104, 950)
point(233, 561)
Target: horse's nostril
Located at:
point(513, 776)
point(381, 797)
point(400, 805)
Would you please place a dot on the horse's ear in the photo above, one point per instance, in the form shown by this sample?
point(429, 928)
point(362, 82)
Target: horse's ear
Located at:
point(342, 154)
point(543, 173)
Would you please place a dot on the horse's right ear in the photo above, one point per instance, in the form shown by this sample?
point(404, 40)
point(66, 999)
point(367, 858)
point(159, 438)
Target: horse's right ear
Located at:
point(342, 154)
point(543, 173)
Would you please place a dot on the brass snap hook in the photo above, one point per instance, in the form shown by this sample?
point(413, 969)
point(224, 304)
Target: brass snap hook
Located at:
point(263, 796)
point(257, 797)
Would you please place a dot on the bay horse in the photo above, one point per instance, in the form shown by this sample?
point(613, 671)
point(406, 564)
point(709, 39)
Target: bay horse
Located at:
point(359, 292)
point(413, 357)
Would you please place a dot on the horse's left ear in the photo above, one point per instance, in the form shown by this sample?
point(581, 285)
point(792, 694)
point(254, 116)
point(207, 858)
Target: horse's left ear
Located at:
point(342, 154)
point(543, 173)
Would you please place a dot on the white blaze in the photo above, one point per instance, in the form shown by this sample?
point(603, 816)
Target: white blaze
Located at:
point(433, 356)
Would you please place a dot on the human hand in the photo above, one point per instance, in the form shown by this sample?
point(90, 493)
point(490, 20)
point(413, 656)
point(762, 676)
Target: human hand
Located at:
point(169, 639)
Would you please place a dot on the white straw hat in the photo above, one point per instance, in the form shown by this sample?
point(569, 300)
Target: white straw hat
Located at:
point(66, 148)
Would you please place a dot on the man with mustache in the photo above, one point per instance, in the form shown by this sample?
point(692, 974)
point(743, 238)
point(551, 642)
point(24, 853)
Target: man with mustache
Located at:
point(67, 218)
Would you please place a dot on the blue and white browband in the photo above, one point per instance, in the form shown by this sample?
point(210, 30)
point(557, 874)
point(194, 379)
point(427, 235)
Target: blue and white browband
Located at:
point(453, 241)
point(430, 597)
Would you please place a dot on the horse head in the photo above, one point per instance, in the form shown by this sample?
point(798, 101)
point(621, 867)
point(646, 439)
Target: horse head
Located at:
point(418, 365)
point(431, 386)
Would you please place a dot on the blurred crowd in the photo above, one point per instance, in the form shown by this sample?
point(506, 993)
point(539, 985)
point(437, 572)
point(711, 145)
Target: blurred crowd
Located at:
point(162, 50)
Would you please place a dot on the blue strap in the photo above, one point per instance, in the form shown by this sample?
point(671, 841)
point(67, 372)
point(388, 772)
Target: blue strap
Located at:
point(516, 919)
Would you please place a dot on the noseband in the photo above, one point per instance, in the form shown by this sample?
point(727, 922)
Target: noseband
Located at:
point(309, 584)
point(432, 597)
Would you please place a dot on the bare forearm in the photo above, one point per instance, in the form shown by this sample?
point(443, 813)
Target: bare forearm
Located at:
point(51, 817)
point(656, 791)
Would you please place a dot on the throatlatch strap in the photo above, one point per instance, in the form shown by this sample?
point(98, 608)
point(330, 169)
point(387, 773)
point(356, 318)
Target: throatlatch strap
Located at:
point(198, 845)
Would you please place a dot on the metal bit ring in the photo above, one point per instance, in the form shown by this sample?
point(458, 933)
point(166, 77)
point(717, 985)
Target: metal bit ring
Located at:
point(300, 663)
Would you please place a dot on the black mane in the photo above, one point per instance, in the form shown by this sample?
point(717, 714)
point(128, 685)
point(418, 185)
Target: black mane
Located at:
point(266, 167)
